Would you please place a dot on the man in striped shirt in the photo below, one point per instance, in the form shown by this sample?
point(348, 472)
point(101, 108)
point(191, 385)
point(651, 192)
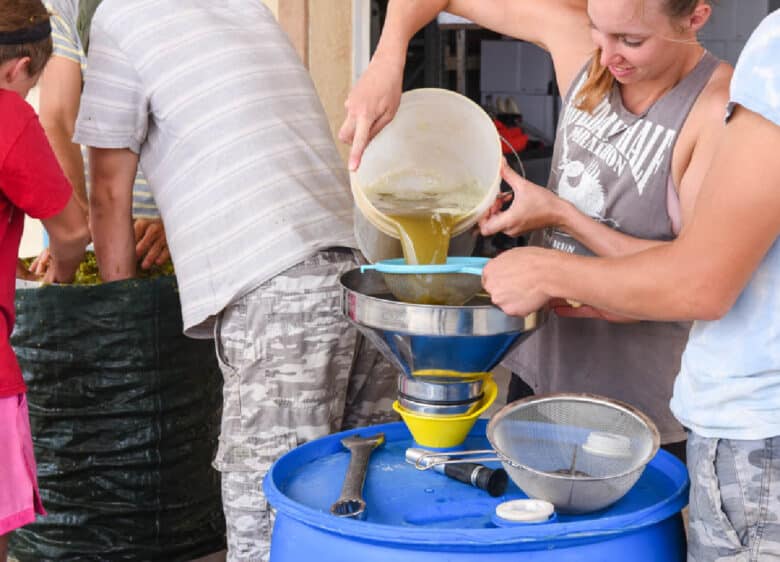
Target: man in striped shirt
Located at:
point(60, 93)
point(214, 101)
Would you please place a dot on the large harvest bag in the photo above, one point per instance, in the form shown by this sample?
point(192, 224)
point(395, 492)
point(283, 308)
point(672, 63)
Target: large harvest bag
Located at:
point(125, 416)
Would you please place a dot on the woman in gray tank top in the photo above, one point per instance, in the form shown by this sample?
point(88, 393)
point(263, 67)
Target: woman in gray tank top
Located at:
point(643, 105)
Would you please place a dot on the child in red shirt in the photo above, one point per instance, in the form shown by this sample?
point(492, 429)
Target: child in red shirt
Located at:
point(31, 182)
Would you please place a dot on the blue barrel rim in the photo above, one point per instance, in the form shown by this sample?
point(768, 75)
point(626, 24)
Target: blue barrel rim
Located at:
point(422, 537)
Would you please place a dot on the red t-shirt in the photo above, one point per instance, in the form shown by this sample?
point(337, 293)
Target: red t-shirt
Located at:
point(31, 182)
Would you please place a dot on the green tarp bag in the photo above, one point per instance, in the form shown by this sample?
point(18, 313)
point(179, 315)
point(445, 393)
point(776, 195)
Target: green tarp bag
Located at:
point(125, 415)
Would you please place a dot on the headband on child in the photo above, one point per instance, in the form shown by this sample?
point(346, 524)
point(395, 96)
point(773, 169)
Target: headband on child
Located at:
point(26, 35)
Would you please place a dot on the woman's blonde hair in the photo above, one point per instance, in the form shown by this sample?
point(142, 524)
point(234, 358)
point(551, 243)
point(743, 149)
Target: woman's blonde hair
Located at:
point(600, 80)
point(18, 15)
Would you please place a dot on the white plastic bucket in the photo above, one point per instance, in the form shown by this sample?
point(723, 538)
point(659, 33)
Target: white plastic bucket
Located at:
point(435, 133)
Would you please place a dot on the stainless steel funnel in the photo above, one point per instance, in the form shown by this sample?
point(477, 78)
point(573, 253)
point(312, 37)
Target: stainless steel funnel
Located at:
point(432, 339)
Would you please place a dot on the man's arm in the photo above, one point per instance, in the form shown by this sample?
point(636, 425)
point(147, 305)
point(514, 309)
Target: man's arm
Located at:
point(698, 276)
point(112, 173)
point(60, 92)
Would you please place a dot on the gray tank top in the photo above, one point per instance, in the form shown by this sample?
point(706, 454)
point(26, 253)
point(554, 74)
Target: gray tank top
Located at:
point(614, 166)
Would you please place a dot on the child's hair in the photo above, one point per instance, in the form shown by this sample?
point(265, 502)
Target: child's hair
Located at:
point(23, 33)
point(600, 80)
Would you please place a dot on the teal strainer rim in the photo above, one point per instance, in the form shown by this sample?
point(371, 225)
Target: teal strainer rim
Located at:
point(471, 265)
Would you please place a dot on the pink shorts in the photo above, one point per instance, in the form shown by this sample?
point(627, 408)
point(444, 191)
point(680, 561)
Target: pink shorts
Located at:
point(19, 498)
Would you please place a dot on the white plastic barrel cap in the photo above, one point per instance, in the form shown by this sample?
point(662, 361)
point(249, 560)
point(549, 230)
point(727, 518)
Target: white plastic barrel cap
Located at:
point(525, 511)
point(436, 135)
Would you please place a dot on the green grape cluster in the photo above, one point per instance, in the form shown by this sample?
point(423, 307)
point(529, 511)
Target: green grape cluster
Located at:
point(88, 273)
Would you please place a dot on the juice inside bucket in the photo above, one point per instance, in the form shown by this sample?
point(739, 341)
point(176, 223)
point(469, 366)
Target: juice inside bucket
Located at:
point(430, 174)
point(425, 211)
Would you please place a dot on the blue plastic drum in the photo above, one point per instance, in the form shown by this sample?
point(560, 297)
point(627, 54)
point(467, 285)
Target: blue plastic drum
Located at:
point(424, 516)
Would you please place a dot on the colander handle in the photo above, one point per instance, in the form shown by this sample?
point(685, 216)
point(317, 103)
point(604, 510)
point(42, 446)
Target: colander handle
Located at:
point(435, 463)
point(424, 460)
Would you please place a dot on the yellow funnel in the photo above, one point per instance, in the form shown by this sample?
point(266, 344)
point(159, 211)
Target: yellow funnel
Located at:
point(441, 432)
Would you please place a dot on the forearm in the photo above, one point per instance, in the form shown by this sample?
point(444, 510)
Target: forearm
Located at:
point(404, 18)
point(529, 20)
point(68, 237)
point(70, 159)
point(699, 275)
point(60, 95)
point(601, 239)
point(69, 249)
point(112, 173)
point(665, 282)
point(112, 232)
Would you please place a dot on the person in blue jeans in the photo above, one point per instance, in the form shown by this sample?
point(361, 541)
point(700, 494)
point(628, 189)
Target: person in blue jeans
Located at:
point(724, 272)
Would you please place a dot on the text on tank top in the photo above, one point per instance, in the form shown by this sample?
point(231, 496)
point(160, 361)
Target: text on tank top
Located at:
point(614, 166)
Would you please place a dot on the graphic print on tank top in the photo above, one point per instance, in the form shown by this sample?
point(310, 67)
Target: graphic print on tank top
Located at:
point(607, 160)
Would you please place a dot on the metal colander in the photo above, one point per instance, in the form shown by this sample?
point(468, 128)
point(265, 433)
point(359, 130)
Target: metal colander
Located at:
point(580, 452)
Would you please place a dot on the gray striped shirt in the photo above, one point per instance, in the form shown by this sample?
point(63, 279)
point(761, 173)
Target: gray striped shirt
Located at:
point(231, 135)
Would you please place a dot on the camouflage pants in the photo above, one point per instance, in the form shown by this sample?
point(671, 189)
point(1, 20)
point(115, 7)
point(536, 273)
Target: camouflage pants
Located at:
point(734, 513)
point(294, 370)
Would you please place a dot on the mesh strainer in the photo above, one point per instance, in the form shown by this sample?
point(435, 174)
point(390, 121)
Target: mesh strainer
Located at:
point(580, 452)
point(452, 283)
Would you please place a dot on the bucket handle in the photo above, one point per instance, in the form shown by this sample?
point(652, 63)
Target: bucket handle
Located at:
point(517, 156)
